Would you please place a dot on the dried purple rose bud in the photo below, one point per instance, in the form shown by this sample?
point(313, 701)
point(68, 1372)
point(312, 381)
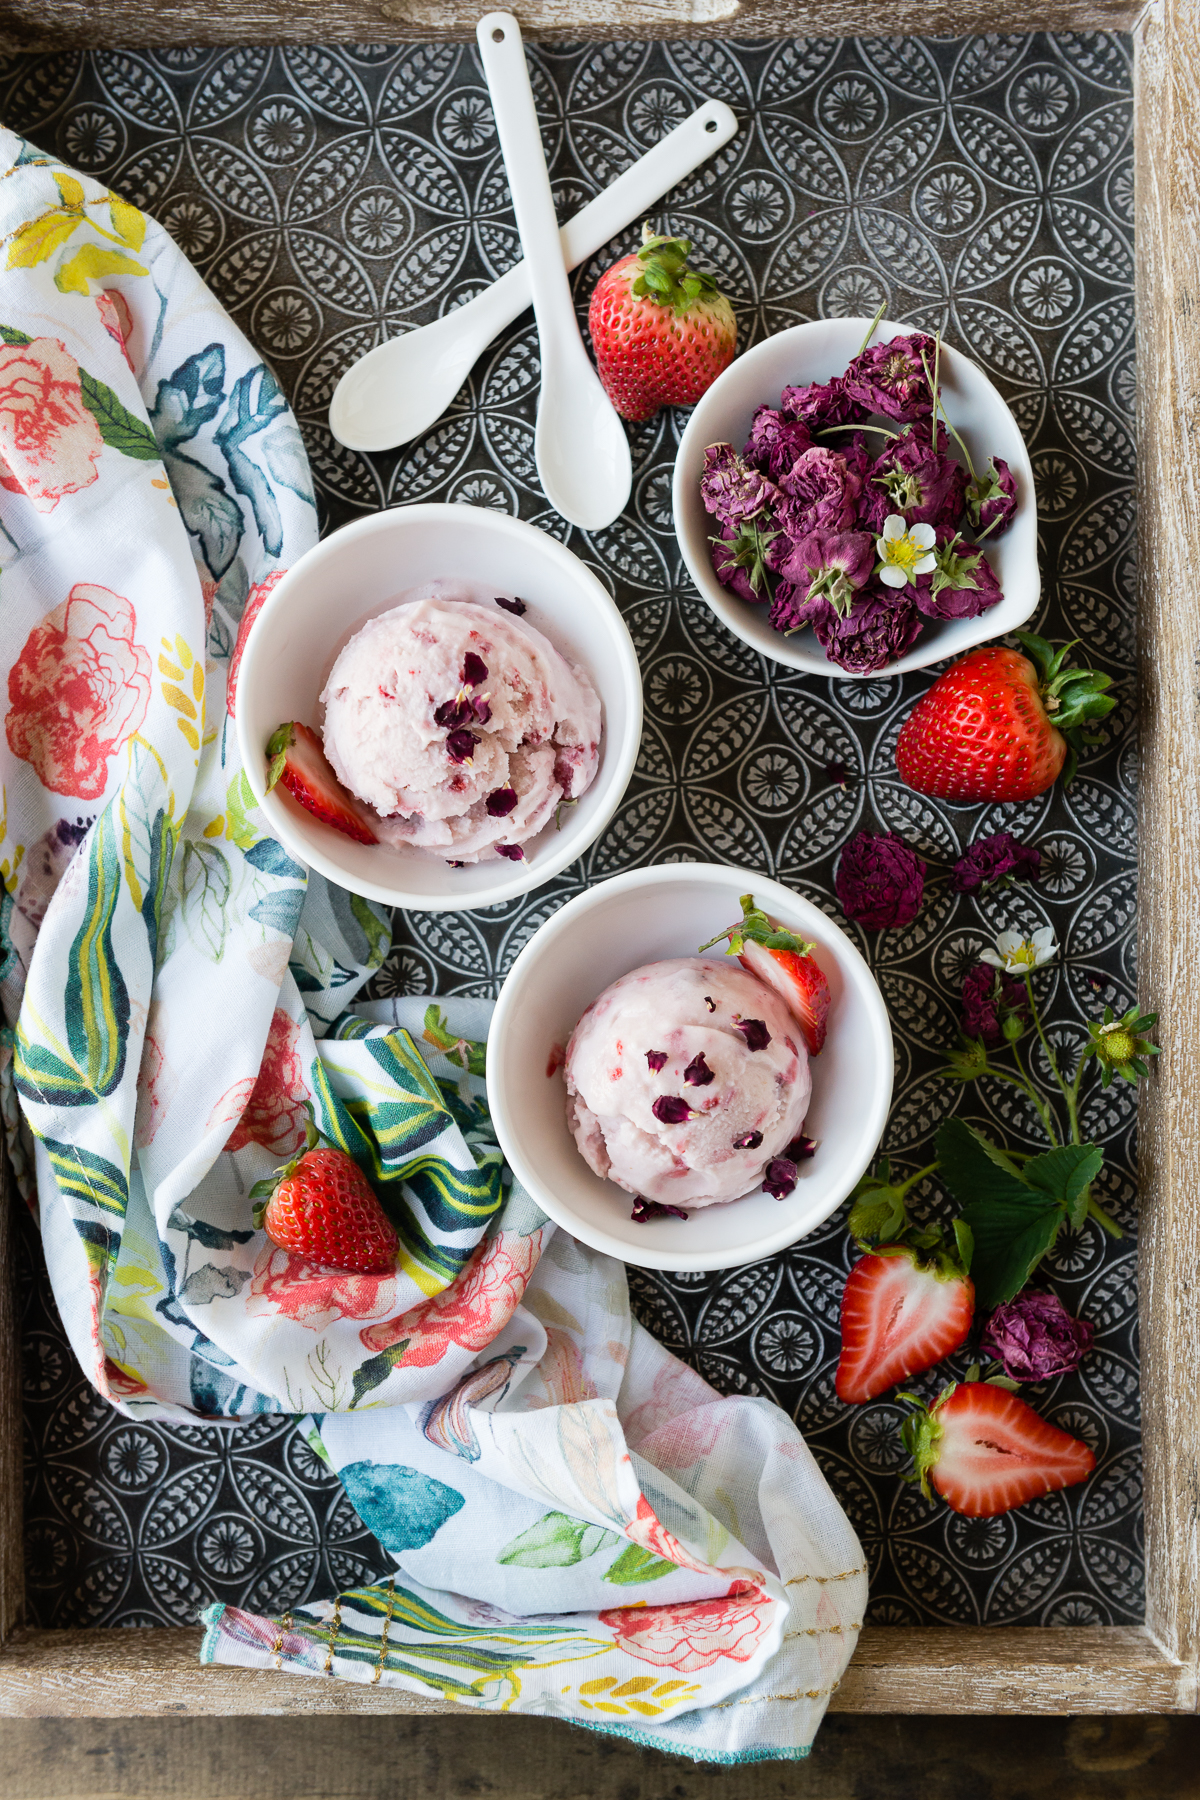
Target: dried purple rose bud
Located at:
point(474, 670)
point(732, 490)
point(501, 802)
point(513, 852)
point(993, 858)
point(829, 565)
point(989, 999)
point(460, 746)
point(671, 1109)
point(1034, 1337)
point(654, 1209)
point(775, 442)
point(879, 881)
point(710, 1003)
point(890, 378)
point(992, 498)
point(820, 405)
point(698, 1073)
point(879, 627)
point(779, 1177)
point(749, 1140)
point(801, 1148)
point(512, 606)
point(656, 1060)
point(452, 713)
point(754, 1031)
point(917, 479)
point(820, 492)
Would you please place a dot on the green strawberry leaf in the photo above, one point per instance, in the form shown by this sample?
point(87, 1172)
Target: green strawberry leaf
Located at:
point(1012, 1223)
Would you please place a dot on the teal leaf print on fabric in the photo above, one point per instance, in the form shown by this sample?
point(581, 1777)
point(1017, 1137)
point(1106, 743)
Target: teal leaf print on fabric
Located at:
point(272, 859)
point(118, 427)
point(279, 911)
point(147, 837)
point(188, 399)
point(556, 1542)
point(204, 891)
point(85, 1175)
point(404, 1508)
point(255, 402)
point(284, 454)
point(97, 1000)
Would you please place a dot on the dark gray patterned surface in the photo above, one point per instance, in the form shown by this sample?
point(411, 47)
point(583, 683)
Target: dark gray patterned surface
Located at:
point(982, 187)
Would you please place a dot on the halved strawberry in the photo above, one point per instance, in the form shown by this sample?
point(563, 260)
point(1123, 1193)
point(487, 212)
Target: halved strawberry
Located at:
point(985, 1451)
point(299, 761)
point(786, 964)
point(904, 1308)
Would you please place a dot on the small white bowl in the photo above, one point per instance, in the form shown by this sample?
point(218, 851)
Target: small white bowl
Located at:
point(817, 352)
point(644, 917)
point(362, 570)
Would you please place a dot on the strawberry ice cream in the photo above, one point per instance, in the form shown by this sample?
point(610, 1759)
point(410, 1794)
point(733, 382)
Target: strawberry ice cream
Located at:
point(688, 1082)
point(459, 723)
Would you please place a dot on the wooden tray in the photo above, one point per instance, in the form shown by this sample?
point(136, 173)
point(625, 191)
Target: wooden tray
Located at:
point(124, 1672)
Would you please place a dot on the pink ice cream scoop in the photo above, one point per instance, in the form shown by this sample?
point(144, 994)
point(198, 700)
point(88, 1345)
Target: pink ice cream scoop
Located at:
point(686, 1080)
point(459, 723)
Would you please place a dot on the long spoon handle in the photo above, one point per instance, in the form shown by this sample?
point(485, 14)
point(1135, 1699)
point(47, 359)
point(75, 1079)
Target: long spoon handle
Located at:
point(503, 56)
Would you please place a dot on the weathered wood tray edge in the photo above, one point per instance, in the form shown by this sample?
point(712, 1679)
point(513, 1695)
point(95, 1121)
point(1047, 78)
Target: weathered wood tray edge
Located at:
point(130, 1673)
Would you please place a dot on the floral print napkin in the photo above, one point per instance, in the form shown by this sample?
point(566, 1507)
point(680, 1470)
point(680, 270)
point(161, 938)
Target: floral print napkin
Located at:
point(178, 985)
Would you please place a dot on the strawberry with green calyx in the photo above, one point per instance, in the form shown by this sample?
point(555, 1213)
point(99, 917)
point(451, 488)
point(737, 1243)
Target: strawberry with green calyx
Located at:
point(985, 1451)
point(1000, 726)
point(1119, 1046)
point(786, 963)
point(909, 1301)
point(320, 1206)
point(662, 331)
point(296, 757)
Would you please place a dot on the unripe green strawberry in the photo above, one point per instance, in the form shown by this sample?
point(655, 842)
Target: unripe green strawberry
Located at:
point(662, 332)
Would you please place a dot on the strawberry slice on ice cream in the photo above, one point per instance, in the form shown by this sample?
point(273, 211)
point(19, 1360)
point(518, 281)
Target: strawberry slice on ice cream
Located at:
point(299, 762)
point(786, 963)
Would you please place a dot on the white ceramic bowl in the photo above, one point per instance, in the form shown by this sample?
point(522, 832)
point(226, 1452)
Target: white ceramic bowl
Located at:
point(644, 917)
point(361, 571)
point(817, 352)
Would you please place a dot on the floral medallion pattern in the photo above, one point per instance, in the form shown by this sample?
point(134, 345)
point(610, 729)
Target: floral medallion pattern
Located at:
point(334, 196)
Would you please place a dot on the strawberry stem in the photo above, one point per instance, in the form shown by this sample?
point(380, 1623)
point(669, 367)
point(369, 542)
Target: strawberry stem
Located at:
point(666, 277)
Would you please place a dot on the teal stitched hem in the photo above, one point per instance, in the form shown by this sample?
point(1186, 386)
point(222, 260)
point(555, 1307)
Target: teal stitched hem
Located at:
point(211, 1616)
point(636, 1735)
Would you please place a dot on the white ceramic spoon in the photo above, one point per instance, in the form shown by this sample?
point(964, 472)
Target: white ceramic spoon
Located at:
point(579, 445)
point(398, 390)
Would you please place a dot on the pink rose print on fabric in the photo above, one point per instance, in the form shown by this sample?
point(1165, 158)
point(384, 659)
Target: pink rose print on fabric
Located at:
point(116, 318)
point(272, 1110)
point(470, 1312)
point(312, 1295)
point(49, 441)
point(157, 1083)
point(693, 1634)
point(254, 605)
point(78, 690)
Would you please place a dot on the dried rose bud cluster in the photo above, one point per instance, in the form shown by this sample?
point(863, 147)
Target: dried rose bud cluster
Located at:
point(857, 533)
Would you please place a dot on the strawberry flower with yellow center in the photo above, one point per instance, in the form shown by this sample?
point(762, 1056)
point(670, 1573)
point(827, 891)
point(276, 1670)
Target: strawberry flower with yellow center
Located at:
point(905, 551)
point(1018, 955)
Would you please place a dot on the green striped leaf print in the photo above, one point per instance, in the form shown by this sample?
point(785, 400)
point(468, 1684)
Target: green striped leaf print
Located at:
point(83, 1175)
point(97, 1000)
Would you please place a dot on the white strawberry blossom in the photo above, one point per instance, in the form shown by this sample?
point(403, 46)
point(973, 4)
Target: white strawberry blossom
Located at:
point(905, 551)
point(1018, 955)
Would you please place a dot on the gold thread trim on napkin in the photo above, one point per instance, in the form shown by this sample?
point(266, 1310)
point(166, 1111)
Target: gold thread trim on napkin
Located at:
point(335, 1626)
point(823, 1579)
point(383, 1642)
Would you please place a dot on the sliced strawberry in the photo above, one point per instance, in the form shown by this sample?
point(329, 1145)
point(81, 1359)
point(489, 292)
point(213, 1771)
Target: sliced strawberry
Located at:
point(786, 964)
point(985, 1451)
point(903, 1310)
point(298, 760)
point(798, 980)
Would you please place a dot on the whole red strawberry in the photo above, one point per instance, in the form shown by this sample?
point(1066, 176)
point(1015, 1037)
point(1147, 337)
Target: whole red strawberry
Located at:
point(999, 725)
point(662, 332)
point(321, 1206)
